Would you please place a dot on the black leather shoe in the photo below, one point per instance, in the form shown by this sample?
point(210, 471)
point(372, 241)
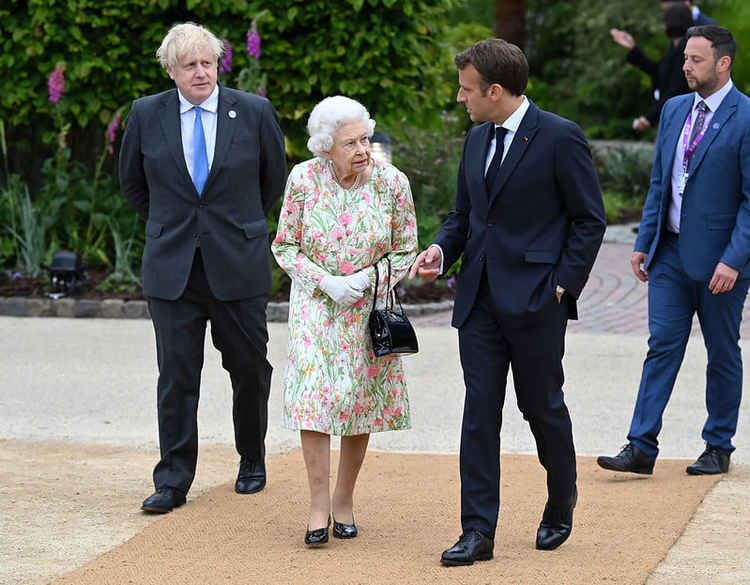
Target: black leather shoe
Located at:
point(471, 546)
point(163, 501)
point(631, 459)
point(711, 462)
point(251, 477)
point(341, 530)
point(318, 536)
point(556, 525)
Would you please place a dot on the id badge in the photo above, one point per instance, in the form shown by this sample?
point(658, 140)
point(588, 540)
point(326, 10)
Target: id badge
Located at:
point(682, 182)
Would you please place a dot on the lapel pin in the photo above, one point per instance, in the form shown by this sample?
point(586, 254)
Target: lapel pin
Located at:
point(232, 114)
point(525, 138)
point(716, 126)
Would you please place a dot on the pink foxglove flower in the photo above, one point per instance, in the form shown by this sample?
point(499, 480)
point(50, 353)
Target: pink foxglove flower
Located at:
point(112, 132)
point(56, 83)
point(253, 42)
point(226, 61)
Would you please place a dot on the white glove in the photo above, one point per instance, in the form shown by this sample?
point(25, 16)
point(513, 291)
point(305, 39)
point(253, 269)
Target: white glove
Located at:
point(359, 280)
point(340, 290)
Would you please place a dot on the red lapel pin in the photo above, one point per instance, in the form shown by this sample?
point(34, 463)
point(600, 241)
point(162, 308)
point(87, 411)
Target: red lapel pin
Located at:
point(525, 138)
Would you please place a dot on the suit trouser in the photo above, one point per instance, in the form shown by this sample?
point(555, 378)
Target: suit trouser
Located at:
point(489, 344)
point(673, 299)
point(239, 332)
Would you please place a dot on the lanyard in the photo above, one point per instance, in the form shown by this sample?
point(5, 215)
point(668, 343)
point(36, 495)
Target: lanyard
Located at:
point(689, 149)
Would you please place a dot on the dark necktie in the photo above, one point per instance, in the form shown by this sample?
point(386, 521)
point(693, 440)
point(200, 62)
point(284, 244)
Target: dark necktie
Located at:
point(489, 177)
point(700, 119)
point(200, 158)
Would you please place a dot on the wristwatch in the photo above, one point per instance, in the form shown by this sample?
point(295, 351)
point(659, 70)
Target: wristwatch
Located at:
point(559, 291)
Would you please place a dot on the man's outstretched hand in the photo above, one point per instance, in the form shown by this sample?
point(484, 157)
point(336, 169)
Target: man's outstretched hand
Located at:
point(427, 264)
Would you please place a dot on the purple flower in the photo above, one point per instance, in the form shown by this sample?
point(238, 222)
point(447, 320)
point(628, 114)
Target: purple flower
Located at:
point(451, 282)
point(13, 275)
point(253, 42)
point(111, 132)
point(226, 61)
point(262, 91)
point(56, 83)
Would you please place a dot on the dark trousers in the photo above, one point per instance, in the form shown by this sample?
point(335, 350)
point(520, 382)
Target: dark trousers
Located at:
point(673, 299)
point(238, 331)
point(489, 344)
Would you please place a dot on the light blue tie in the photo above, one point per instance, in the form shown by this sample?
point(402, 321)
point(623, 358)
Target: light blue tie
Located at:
point(200, 159)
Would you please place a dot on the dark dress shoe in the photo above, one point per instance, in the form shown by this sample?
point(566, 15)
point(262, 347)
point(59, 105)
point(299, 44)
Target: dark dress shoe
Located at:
point(341, 530)
point(251, 477)
point(556, 525)
point(163, 501)
point(631, 459)
point(711, 462)
point(318, 536)
point(471, 546)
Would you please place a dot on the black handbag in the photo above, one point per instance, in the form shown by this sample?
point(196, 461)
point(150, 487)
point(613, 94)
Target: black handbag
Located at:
point(390, 330)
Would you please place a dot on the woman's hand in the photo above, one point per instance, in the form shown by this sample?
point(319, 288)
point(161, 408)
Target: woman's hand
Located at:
point(340, 289)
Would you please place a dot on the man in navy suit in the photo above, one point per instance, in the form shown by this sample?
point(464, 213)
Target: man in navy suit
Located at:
point(203, 164)
point(529, 221)
point(693, 248)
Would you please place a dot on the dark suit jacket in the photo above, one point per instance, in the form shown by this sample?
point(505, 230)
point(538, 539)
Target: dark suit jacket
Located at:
point(247, 176)
point(541, 224)
point(715, 214)
point(667, 75)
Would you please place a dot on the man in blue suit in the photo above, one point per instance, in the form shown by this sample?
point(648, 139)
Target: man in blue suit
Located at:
point(529, 221)
point(693, 248)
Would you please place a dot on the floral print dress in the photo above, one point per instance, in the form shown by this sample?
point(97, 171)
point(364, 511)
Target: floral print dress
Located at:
point(333, 383)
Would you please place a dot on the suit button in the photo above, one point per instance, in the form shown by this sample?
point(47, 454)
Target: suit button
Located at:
point(482, 257)
point(490, 225)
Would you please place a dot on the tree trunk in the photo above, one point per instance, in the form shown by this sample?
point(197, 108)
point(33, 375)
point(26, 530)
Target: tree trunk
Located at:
point(510, 21)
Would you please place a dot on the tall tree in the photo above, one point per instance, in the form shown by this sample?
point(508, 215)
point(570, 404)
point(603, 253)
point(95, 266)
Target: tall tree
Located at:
point(510, 21)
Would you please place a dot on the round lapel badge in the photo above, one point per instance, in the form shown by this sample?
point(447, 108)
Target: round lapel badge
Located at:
point(716, 126)
point(232, 114)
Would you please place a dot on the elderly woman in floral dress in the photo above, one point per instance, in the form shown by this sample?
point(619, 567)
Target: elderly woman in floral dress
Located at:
point(343, 215)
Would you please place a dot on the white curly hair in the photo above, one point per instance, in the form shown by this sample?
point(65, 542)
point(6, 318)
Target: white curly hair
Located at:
point(328, 116)
point(185, 39)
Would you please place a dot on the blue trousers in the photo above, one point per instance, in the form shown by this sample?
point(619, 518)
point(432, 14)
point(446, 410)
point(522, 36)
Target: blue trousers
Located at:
point(673, 299)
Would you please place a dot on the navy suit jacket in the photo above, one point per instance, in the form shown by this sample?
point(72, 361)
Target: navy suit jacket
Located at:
point(540, 224)
point(247, 176)
point(715, 215)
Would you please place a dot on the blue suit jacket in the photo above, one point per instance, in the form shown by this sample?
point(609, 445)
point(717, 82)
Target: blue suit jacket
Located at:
point(715, 217)
point(540, 224)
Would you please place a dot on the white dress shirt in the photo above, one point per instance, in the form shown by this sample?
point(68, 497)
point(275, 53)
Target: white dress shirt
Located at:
point(511, 124)
point(187, 120)
point(713, 102)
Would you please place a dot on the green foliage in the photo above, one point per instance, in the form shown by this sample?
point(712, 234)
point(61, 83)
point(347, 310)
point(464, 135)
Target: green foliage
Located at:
point(735, 15)
point(28, 226)
point(384, 53)
point(430, 160)
point(123, 276)
point(624, 175)
point(577, 70)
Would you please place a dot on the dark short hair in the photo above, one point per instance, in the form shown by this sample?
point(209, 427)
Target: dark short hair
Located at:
point(678, 18)
point(722, 41)
point(497, 61)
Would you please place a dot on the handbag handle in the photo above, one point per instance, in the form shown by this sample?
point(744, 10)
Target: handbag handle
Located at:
point(387, 287)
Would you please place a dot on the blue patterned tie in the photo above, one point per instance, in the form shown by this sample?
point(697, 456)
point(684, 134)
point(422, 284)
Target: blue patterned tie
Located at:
point(200, 159)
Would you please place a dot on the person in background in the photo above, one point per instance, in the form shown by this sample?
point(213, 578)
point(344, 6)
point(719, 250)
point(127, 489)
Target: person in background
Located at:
point(699, 17)
point(667, 77)
point(344, 216)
